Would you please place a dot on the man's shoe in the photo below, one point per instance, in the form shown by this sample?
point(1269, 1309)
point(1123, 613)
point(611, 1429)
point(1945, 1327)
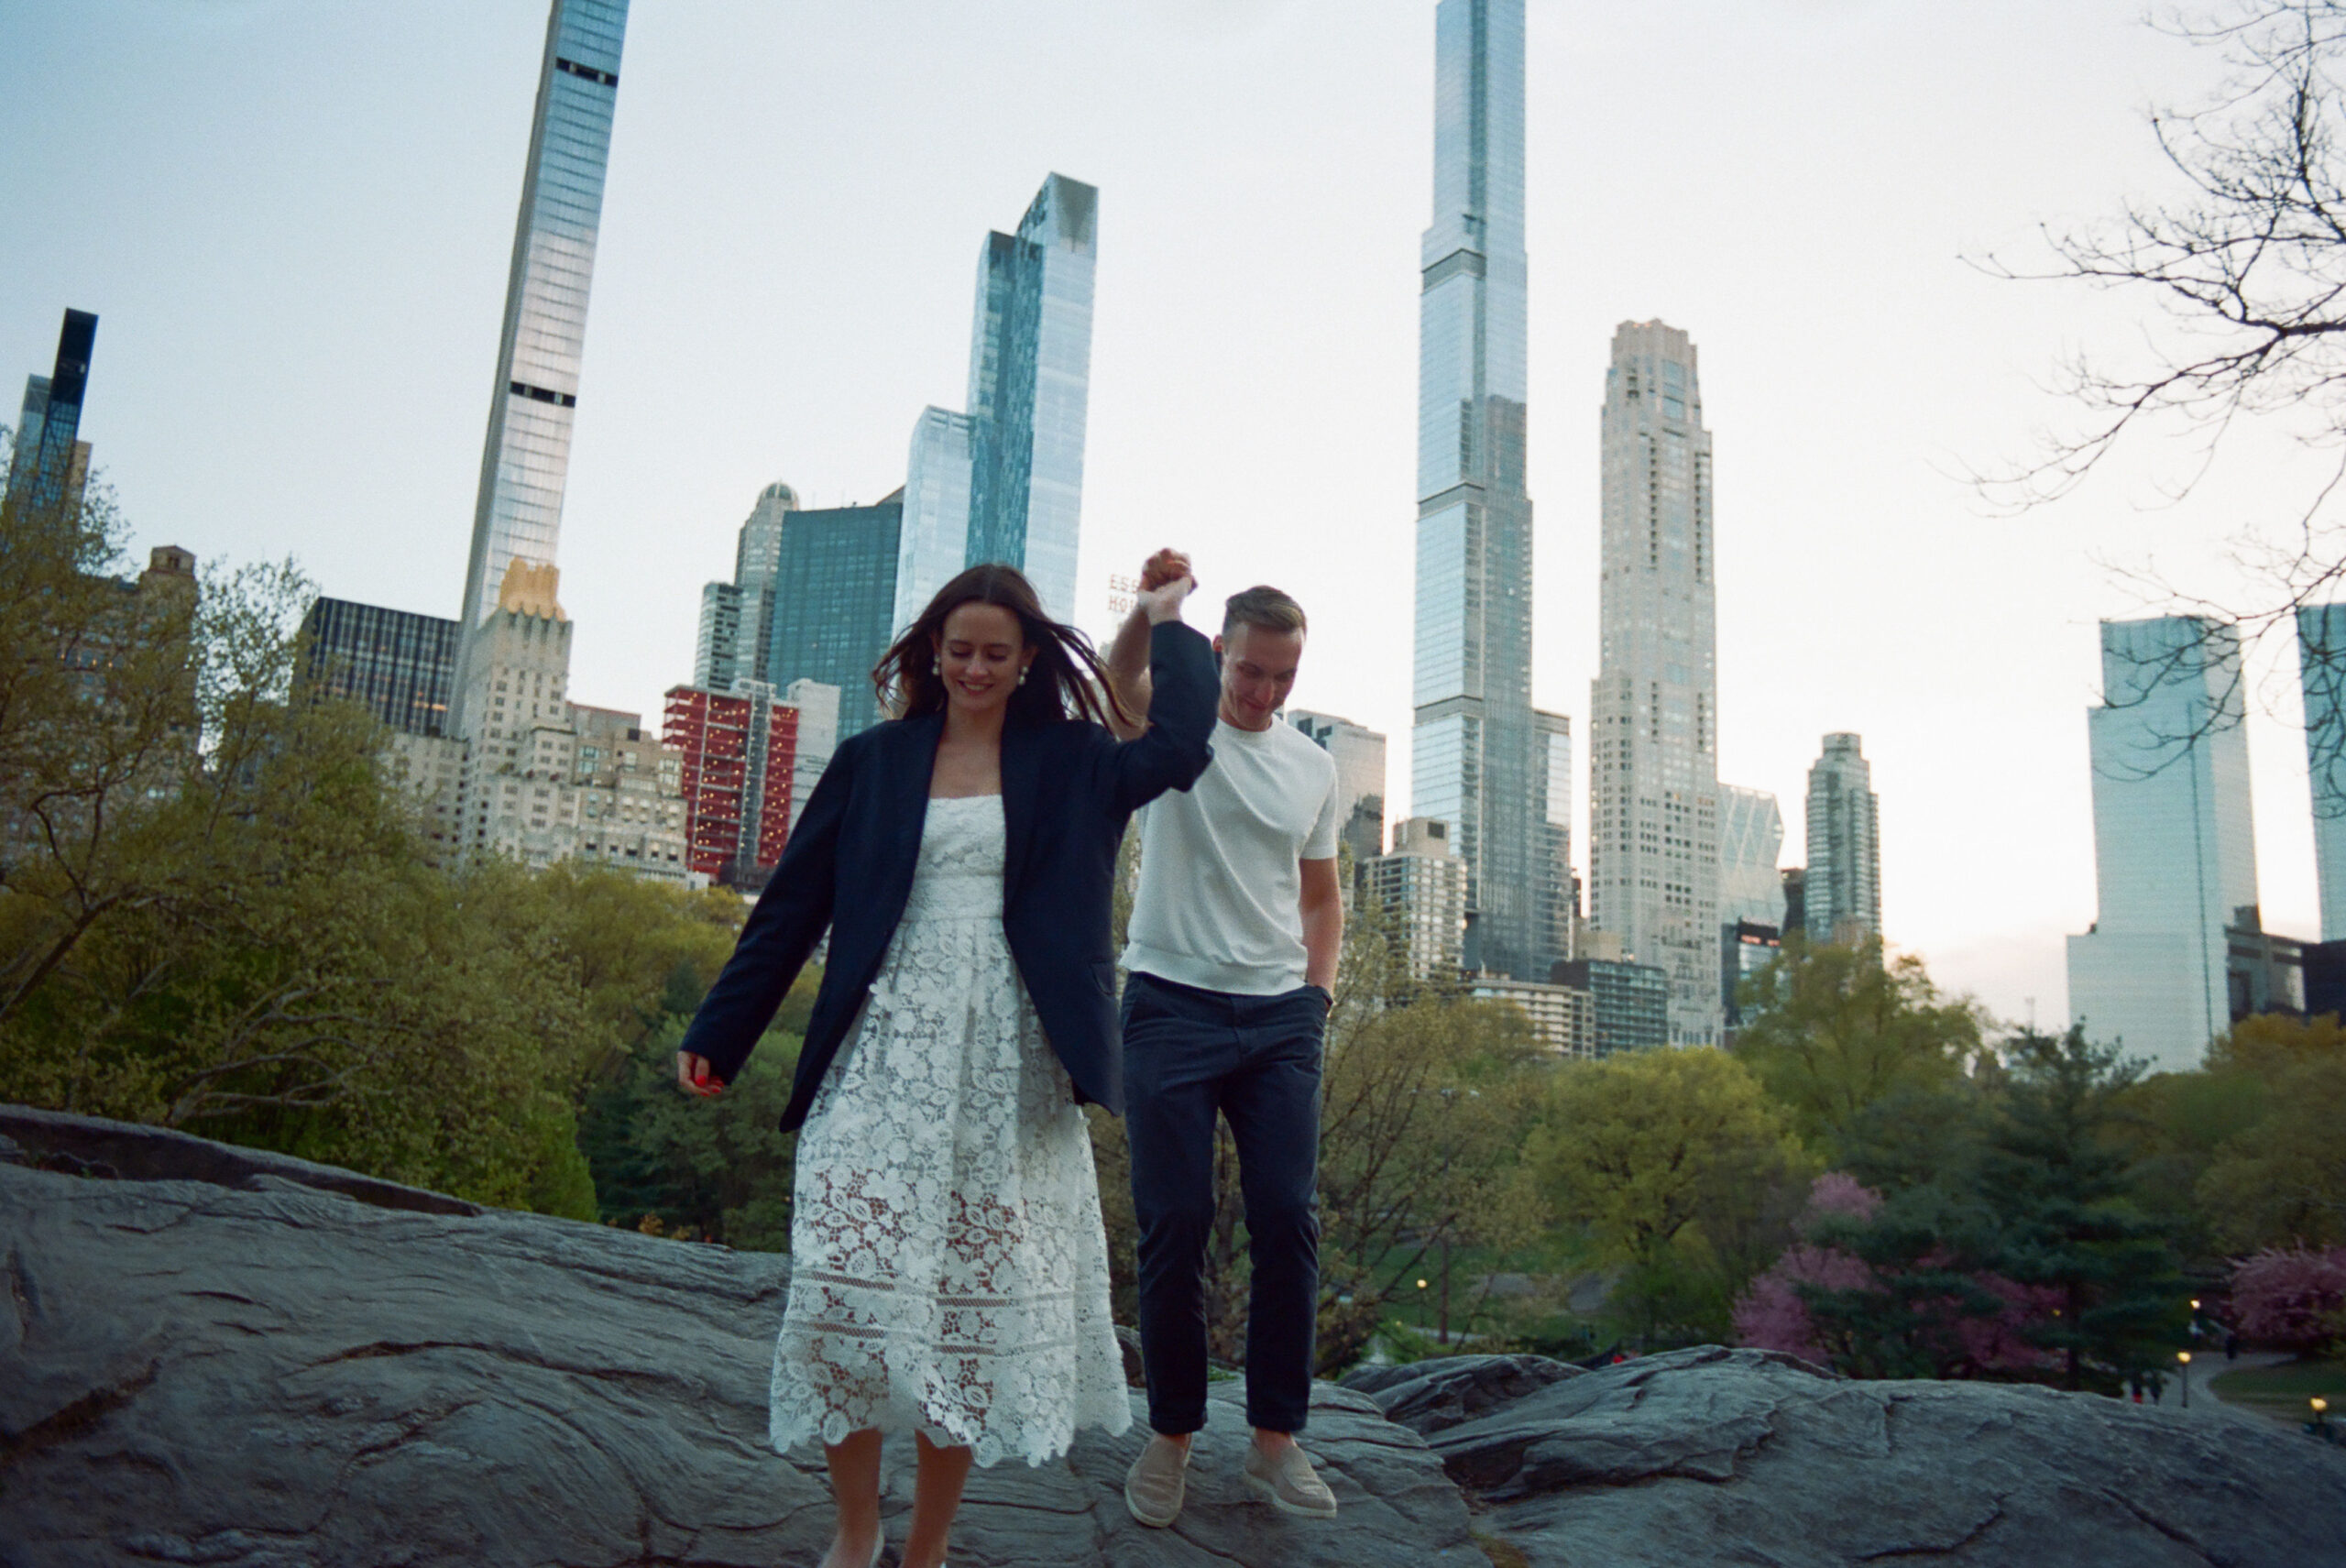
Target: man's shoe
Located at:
point(1153, 1486)
point(1289, 1482)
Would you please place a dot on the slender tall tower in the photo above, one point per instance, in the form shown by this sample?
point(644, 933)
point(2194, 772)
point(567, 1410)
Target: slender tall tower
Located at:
point(1653, 797)
point(1476, 753)
point(2321, 669)
point(527, 457)
point(51, 463)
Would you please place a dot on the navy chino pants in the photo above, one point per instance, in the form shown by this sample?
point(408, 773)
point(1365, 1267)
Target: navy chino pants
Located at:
point(1191, 1056)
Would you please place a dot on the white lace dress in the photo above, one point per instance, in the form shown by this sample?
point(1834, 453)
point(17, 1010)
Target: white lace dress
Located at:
point(948, 1268)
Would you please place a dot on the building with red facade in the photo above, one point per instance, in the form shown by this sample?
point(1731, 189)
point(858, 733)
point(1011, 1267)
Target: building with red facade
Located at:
point(738, 750)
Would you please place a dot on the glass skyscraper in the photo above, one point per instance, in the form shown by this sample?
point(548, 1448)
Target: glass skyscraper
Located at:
point(2174, 844)
point(1751, 839)
point(1653, 858)
point(834, 601)
point(50, 462)
point(526, 458)
point(1476, 756)
point(1004, 482)
point(396, 664)
point(935, 545)
point(736, 617)
point(1843, 889)
point(2321, 670)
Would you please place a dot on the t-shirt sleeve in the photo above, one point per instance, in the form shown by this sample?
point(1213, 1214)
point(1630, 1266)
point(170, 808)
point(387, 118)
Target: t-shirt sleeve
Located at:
point(1322, 843)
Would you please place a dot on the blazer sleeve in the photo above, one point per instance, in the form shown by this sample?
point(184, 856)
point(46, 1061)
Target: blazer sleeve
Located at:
point(1184, 690)
point(782, 929)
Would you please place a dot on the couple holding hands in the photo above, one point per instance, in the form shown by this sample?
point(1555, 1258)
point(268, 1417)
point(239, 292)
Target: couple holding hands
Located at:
point(948, 1265)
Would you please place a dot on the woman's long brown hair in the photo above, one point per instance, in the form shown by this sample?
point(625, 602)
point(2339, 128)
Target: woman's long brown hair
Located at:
point(1066, 680)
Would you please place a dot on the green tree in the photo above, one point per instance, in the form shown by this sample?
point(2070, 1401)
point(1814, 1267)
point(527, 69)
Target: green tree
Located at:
point(1833, 1028)
point(2278, 1180)
point(1671, 1164)
point(715, 1169)
point(214, 914)
point(2057, 1176)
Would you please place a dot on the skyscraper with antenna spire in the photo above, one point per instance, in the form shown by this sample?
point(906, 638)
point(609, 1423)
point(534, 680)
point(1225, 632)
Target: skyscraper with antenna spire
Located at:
point(1480, 759)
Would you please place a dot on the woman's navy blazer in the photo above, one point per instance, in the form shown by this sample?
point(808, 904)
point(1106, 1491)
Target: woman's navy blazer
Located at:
point(1068, 787)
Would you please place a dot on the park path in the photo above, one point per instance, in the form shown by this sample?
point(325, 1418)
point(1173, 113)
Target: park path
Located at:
point(2206, 1366)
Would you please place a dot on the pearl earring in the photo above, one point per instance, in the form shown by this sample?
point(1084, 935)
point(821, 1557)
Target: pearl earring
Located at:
point(935, 665)
point(1022, 677)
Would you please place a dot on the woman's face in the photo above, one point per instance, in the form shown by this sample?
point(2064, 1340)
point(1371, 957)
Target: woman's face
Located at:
point(981, 653)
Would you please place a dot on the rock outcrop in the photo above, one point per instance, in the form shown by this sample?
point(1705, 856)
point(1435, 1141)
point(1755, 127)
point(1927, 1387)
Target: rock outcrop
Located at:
point(209, 1355)
point(1712, 1455)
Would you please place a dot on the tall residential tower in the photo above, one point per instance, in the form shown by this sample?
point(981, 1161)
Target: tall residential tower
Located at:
point(51, 463)
point(526, 460)
point(1843, 892)
point(1479, 755)
point(1653, 798)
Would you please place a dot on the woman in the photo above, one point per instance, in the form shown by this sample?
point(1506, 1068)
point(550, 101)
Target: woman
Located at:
point(949, 1266)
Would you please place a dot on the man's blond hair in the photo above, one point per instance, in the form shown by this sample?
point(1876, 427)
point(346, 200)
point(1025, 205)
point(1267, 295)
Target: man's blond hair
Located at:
point(1264, 606)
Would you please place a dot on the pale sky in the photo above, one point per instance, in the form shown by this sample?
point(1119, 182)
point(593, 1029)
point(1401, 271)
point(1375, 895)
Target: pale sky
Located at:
point(294, 221)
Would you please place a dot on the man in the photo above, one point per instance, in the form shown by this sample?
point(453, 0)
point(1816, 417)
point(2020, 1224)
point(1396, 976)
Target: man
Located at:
point(1232, 957)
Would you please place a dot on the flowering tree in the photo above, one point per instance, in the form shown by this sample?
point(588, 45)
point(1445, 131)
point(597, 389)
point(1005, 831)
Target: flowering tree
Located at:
point(1879, 1296)
point(2295, 1299)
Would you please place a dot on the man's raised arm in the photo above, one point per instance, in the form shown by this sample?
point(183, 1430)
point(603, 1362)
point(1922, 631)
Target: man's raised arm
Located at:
point(1128, 654)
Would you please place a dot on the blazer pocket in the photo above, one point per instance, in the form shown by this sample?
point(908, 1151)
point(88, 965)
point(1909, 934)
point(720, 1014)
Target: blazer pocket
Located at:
point(1104, 976)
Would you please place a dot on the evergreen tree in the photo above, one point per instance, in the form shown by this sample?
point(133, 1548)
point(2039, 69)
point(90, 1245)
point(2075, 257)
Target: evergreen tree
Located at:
point(2057, 1178)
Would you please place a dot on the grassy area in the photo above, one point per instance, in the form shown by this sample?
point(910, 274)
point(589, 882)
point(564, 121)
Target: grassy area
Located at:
point(2281, 1391)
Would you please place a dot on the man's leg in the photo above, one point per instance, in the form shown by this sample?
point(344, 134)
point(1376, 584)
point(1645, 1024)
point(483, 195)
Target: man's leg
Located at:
point(1272, 1104)
point(1175, 1052)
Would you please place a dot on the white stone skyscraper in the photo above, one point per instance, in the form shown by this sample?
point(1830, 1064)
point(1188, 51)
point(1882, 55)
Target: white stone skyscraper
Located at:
point(526, 459)
point(1653, 797)
point(1842, 892)
point(1477, 754)
point(2174, 841)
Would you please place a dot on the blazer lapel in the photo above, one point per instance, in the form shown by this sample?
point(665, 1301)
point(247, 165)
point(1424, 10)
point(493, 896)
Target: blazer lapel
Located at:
point(910, 767)
point(1022, 762)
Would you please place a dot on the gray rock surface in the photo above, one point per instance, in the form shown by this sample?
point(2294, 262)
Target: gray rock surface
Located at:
point(1433, 1396)
point(1745, 1456)
point(278, 1365)
point(282, 1365)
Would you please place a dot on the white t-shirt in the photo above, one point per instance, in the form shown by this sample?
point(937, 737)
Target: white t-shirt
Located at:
point(1220, 900)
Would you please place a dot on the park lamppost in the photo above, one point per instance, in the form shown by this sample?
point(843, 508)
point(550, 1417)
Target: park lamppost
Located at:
point(2185, 1357)
point(1421, 1306)
point(2320, 1413)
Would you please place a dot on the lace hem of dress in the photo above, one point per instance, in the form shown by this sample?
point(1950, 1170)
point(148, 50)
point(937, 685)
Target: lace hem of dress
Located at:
point(863, 1387)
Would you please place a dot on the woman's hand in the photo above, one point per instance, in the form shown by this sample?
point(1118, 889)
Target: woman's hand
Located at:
point(693, 1077)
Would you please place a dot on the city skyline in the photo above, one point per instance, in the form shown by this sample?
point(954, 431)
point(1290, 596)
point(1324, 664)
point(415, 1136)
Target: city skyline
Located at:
point(1218, 406)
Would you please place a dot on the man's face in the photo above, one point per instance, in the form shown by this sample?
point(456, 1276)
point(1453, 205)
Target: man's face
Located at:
point(1258, 668)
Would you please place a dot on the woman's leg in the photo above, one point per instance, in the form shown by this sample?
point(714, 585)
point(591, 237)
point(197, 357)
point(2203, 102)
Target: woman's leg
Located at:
point(855, 1492)
point(936, 1497)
